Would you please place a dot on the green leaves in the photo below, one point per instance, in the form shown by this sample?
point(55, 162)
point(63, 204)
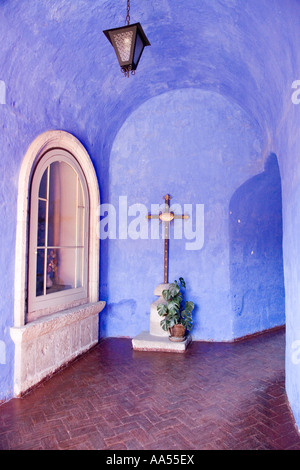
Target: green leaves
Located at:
point(186, 319)
point(166, 294)
point(172, 292)
point(162, 309)
point(186, 315)
point(174, 311)
point(189, 306)
point(174, 305)
point(168, 322)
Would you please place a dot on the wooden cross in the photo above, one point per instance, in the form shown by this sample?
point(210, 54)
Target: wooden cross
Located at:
point(166, 217)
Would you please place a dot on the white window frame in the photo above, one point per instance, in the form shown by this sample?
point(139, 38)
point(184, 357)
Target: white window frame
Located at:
point(43, 143)
point(38, 304)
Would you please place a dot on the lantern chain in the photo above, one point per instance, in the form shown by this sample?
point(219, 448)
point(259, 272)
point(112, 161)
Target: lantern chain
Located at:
point(127, 20)
point(126, 70)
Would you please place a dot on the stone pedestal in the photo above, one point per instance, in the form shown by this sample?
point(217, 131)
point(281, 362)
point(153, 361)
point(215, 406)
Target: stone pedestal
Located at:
point(155, 319)
point(157, 339)
point(147, 342)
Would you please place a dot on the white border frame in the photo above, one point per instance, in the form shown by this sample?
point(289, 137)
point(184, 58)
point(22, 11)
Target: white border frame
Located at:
point(42, 144)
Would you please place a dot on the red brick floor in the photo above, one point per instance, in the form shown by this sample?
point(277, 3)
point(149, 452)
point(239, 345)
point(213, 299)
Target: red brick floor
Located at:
point(214, 396)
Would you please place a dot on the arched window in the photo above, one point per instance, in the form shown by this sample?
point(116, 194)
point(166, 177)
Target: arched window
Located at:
point(56, 314)
point(58, 239)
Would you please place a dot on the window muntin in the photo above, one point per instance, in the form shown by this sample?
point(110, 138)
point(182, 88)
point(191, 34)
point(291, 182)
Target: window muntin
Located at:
point(58, 251)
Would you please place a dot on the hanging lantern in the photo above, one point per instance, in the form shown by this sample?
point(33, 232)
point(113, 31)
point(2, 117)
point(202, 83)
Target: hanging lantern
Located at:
point(128, 42)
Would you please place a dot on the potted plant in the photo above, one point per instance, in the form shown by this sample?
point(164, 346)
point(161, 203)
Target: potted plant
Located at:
point(176, 312)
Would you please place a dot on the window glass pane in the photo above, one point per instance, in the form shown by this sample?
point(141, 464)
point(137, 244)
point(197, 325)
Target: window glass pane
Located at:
point(79, 267)
point(62, 205)
point(43, 185)
point(59, 244)
point(41, 222)
point(80, 225)
point(80, 194)
point(60, 269)
point(80, 216)
point(40, 259)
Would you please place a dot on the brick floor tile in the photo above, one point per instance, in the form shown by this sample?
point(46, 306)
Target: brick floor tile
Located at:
point(215, 396)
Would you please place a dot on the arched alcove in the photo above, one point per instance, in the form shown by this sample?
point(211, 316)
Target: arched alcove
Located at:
point(199, 147)
point(256, 258)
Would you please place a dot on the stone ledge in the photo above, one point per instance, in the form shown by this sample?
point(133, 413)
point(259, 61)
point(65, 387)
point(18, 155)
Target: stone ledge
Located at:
point(43, 346)
point(55, 321)
point(147, 342)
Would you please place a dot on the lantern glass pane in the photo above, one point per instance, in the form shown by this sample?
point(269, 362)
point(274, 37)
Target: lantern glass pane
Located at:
point(139, 46)
point(123, 42)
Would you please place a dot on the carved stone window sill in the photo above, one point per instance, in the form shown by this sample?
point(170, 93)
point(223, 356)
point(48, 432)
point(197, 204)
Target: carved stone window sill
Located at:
point(46, 344)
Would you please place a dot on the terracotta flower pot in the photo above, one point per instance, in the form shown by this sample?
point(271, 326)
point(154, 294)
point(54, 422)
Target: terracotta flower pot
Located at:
point(177, 333)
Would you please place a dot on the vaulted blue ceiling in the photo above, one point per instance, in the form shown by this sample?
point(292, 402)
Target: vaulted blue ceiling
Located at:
point(54, 56)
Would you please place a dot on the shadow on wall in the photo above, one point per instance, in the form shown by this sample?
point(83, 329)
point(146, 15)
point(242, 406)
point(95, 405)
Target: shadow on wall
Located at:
point(256, 261)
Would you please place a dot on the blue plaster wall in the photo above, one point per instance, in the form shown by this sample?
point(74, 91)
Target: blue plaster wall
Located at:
point(289, 150)
point(190, 143)
point(60, 72)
